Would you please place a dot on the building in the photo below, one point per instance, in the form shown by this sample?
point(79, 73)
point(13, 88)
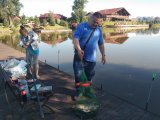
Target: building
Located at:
point(115, 14)
point(53, 15)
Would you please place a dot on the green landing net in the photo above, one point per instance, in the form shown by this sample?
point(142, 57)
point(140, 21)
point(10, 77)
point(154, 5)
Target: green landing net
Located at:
point(86, 105)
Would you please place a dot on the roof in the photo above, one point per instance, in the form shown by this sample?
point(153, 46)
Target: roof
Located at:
point(111, 11)
point(57, 16)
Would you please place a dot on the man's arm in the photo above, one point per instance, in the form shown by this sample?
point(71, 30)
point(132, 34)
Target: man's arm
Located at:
point(102, 50)
point(77, 36)
point(78, 48)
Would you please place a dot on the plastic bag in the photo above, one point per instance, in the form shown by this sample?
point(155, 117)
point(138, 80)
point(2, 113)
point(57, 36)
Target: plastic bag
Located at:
point(15, 67)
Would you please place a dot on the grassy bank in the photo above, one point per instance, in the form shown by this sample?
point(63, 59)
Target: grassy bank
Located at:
point(111, 23)
point(5, 31)
point(56, 27)
point(156, 26)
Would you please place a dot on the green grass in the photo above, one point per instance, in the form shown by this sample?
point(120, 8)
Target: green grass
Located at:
point(56, 27)
point(4, 31)
point(105, 23)
point(156, 26)
point(110, 23)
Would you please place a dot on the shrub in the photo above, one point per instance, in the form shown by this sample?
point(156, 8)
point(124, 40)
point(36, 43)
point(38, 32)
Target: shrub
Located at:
point(63, 23)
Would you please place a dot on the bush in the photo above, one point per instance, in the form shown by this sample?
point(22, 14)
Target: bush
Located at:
point(1, 24)
point(58, 21)
point(63, 23)
point(13, 29)
point(16, 22)
point(44, 22)
point(52, 22)
point(6, 23)
point(36, 21)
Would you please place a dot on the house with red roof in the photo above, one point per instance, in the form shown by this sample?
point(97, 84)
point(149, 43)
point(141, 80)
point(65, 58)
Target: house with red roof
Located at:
point(53, 15)
point(115, 14)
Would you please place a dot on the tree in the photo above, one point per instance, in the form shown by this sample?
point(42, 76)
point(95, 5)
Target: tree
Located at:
point(58, 21)
point(36, 21)
point(5, 23)
point(23, 20)
point(50, 19)
point(16, 22)
point(78, 13)
point(8, 9)
point(44, 22)
point(156, 20)
point(31, 18)
point(52, 22)
point(63, 23)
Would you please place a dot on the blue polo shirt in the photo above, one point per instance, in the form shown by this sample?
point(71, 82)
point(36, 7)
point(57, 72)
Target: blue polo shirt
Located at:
point(82, 33)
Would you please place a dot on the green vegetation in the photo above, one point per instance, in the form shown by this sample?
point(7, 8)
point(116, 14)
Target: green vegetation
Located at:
point(36, 20)
point(78, 14)
point(9, 17)
point(111, 23)
point(51, 20)
point(5, 31)
point(105, 23)
point(56, 27)
point(9, 9)
point(148, 20)
point(44, 22)
point(156, 26)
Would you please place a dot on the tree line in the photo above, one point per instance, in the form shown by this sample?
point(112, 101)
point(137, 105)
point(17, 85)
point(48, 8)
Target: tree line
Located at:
point(10, 9)
point(149, 20)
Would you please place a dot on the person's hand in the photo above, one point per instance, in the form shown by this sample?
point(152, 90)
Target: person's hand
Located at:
point(103, 59)
point(81, 54)
point(27, 44)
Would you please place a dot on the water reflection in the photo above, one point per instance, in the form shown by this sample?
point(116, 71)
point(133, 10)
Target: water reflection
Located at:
point(132, 55)
point(54, 38)
point(117, 38)
point(148, 31)
point(11, 40)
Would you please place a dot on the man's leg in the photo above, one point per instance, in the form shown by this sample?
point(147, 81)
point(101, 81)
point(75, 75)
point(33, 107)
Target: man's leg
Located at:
point(77, 67)
point(89, 70)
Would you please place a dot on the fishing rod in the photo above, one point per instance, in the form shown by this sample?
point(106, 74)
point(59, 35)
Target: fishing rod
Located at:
point(36, 90)
point(58, 58)
point(154, 76)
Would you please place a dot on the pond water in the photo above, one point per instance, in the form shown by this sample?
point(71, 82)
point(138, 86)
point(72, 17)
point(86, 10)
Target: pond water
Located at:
point(132, 59)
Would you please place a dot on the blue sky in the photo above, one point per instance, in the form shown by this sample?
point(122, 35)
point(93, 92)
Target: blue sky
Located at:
point(134, 7)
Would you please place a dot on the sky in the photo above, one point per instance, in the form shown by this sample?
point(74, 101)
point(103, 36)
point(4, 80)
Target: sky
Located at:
point(134, 7)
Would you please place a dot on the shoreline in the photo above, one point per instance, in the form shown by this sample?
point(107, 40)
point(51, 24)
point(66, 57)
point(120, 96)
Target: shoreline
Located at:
point(128, 26)
point(60, 30)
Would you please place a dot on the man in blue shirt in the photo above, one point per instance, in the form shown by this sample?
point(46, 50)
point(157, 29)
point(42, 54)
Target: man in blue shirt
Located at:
point(88, 55)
